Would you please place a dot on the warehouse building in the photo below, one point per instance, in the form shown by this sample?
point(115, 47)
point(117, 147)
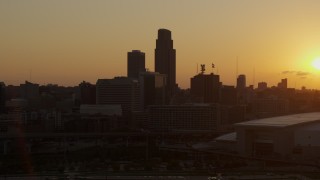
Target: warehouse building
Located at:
point(290, 137)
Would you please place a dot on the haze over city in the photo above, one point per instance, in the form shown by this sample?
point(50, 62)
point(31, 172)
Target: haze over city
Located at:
point(145, 89)
point(65, 42)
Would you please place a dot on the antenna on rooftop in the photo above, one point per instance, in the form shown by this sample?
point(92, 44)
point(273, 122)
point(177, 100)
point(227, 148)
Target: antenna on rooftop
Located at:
point(237, 66)
point(197, 68)
point(30, 74)
point(254, 76)
point(236, 69)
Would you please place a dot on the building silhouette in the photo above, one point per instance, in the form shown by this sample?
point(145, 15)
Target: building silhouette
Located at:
point(12, 92)
point(262, 86)
point(152, 88)
point(193, 117)
point(136, 63)
point(29, 90)
point(165, 60)
point(2, 97)
point(87, 93)
point(120, 90)
point(283, 84)
point(228, 95)
point(205, 88)
point(270, 106)
point(241, 82)
point(96, 118)
point(241, 88)
point(290, 137)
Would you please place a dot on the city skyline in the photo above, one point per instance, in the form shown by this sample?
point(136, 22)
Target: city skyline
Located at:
point(54, 42)
point(165, 89)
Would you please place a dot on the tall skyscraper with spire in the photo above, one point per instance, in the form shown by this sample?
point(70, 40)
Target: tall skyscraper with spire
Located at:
point(165, 60)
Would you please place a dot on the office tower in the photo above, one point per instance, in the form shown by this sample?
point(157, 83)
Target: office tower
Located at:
point(283, 84)
point(241, 82)
point(87, 93)
point(241, 88)
point(2, 97)
point(205, 88)
point(262, 85)
point(165, 60)
point(29, 90)
point(120, 90)
point(152, 88)
point(136, 63)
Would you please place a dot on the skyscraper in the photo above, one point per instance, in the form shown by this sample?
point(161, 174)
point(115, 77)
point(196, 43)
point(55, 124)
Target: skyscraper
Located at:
point(283, 84)
point(136, 63)
point(205, 88)
point(241, 88)
point(262, 85)
point(241, 82)
point(165, 60)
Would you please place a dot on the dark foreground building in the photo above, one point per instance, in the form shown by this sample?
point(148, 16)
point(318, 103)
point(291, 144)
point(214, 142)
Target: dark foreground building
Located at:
point(293, 138)
point(195, 117)
point(152, 89)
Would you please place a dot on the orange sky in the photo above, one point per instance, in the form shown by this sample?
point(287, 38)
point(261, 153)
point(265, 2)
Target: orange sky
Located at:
point(67, 41)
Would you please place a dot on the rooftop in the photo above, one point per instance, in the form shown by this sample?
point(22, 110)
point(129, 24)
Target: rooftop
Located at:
point(283, 121)
point(230, 137)
point(117, 81)
point(103, 109)
point(311, 127)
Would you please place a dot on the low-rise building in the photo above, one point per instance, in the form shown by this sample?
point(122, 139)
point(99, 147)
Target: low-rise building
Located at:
point(194, 117)
point(288, 138)
point(94, 119)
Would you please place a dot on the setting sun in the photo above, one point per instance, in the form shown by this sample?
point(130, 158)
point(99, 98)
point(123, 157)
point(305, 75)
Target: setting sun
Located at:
point(316, 63)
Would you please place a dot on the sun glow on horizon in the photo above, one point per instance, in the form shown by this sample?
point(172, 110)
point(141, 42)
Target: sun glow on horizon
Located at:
point(316, 63)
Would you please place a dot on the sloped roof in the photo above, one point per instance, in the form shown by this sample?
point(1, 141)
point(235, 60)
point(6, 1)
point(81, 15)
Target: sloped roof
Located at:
point(104, 109)
point(283, 121)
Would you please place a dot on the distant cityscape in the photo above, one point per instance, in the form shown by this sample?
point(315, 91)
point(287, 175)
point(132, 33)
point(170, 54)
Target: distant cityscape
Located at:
point(148, 113)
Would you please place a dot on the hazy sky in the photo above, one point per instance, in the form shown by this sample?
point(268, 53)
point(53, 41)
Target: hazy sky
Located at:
point(67, 41)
